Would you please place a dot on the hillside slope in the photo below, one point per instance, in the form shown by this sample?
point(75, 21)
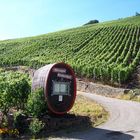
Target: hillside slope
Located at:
point(108, 51)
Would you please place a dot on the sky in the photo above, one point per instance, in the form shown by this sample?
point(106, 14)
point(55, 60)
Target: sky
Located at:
point(23, 18)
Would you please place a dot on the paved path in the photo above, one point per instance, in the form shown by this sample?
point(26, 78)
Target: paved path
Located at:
point(123, 123)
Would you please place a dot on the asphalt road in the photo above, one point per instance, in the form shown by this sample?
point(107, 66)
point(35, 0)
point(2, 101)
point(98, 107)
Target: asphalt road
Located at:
point(123, 123)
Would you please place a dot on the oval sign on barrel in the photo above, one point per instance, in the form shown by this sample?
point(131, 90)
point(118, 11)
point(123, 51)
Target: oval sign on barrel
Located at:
point(59, 84)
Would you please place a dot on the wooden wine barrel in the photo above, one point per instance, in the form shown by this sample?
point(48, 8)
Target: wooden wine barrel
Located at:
point(59, 85)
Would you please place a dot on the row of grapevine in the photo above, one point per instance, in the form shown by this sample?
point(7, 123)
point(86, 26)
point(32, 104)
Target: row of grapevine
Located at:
point(106, 53)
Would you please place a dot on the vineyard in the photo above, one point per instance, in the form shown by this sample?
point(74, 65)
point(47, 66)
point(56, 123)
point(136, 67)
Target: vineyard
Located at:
point(108, 51)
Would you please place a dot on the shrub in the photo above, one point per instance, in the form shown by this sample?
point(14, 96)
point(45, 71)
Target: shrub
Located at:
point(14, 90)
point(36, 126)
point(20, 122)
point(136, 91)
point(36, 104)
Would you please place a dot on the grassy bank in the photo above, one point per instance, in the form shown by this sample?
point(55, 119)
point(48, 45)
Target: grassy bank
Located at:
point(93, 110)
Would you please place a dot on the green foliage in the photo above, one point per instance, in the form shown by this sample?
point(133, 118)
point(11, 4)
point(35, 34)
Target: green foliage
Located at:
point(14, 90)
point(36, 104)
point(1, 70)
point(16, 115)
point(36, 126)
point(4, 122)
point(108, 51)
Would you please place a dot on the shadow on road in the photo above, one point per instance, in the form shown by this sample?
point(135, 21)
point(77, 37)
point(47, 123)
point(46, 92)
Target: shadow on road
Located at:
point(96, 134)
point(78, 131)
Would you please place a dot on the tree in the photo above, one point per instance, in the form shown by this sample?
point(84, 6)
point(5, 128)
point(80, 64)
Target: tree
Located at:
point(137, 14)
point(92, 22)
